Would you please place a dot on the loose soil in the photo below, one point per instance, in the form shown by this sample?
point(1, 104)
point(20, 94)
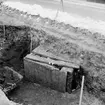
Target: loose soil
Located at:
point(34, 94)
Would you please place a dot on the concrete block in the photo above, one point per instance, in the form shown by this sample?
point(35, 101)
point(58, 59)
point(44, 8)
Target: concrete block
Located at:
point(69, 77)
point(55, 79)
point(39, 70)
point(29, 73)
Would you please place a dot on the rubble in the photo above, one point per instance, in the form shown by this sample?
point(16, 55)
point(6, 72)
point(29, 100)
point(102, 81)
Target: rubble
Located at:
point(5, 101)
point(9, 79)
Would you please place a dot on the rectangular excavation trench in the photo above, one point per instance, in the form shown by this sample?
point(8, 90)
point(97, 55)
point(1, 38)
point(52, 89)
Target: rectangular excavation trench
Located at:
point(50, 71)
point(85, 54)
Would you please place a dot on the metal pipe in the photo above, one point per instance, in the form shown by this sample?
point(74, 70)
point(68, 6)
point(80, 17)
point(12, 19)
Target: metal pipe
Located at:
point(81, 94)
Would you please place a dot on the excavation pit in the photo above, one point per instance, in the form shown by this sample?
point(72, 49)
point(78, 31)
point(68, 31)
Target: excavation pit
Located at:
point(85, 48)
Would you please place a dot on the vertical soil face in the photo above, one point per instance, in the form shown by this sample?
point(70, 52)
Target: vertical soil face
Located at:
point(14, 45)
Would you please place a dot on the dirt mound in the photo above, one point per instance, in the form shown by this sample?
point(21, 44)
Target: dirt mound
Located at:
point(92, 62)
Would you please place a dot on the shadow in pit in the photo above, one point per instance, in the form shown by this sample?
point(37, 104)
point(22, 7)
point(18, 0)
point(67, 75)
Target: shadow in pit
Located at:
point(73, 81)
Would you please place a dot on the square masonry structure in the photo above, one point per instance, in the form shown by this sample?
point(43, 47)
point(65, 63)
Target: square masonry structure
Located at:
point(47, 69)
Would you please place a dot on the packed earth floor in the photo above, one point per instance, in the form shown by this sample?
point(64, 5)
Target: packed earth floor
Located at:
point(80, 46)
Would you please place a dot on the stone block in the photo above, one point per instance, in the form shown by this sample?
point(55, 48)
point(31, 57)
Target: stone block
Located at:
point(69, 77)
point(44, 71)
point(38, 72)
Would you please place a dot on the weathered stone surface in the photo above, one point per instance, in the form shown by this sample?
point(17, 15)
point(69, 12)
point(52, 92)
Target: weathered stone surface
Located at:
point(39, 69)
point(42, 50)
point(38, 72)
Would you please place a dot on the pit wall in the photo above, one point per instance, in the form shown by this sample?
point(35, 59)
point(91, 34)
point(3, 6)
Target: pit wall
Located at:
point(14, 45)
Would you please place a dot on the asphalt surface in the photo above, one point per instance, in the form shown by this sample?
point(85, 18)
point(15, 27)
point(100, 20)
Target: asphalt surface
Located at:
point(85, 9)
